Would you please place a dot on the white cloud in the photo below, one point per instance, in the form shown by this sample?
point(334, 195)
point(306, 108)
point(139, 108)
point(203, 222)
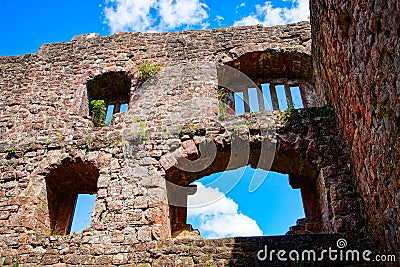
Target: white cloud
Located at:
point(154, 15)
point(270, 15)
point(217, 216)
point(249, 20)
point(239, 6)
point(218, 17)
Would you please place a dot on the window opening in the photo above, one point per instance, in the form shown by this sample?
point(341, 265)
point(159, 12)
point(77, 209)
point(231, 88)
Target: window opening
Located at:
point(296, 97)
point(276, 95)
point(114, 89)
point(63, 185)
point(280, 92)
point(83, 212)
point(253, 100)
point(239, 103)
point(110, 113)
point(124, 108)
point(267, 96)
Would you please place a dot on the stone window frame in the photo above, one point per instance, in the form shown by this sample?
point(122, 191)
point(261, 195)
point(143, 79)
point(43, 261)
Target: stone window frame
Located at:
point(63, 185)
point(114, 87)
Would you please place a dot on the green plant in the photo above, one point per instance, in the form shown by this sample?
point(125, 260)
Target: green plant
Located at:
point(147, 69)
point(222, 102)
point(10, 164)
point(48, 142)
point(15, 264)
point(98, 111)
point(140, 129)
point(239, 262)
point(89, 141)
point(73, 146)
point(60, 137)
point(12, 151)
point(196, 260)
point(286, 113)
point(235, 129)
point(32, 145)
point(290, 105)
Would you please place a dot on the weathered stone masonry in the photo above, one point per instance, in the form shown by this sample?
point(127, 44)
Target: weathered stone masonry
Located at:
point(59, 153)
point(356, 57)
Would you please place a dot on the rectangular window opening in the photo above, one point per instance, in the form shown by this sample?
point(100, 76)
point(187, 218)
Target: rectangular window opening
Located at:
point(280, 92)
point(124, 107)
point(110, 111)
point(267, 96)
point(83, 212)
point(239, 103)
point(253, 100)
point(296, 97)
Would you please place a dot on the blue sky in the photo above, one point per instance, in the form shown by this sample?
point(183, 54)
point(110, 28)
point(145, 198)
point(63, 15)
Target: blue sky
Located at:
point(269, 210)
point(26, 25)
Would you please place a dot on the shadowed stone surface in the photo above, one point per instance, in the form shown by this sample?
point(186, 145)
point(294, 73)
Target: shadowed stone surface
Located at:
point(356, 55)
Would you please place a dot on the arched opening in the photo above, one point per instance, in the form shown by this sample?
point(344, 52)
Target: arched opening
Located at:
point(63, 185)
point(284, 80)
point(292, 161)
point(219, 211)
point(113, 88)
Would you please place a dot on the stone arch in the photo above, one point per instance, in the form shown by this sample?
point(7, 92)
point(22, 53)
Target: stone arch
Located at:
point(113, 87)
point(261, 66)
point(48, 203)
point(293, 156)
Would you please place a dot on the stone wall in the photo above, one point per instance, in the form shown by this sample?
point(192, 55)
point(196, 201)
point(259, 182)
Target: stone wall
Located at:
point(50, 150)
point(188, 252)
point(356, 48)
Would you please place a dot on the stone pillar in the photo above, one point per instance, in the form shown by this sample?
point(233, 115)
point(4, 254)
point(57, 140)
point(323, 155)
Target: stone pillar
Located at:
point(178, 214)
point(117, 108)
point(260, 98)
point(274, 97)
point(246, 100)
point(289, 99)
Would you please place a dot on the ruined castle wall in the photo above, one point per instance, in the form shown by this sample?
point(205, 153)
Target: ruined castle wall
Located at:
point(356, 56)
point(50, 149)
point(53, 81)
point(44, 104)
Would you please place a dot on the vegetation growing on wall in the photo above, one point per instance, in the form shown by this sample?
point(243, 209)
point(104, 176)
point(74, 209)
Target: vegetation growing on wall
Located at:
point(98, 111)
point(147, 70)
point(222, 102)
